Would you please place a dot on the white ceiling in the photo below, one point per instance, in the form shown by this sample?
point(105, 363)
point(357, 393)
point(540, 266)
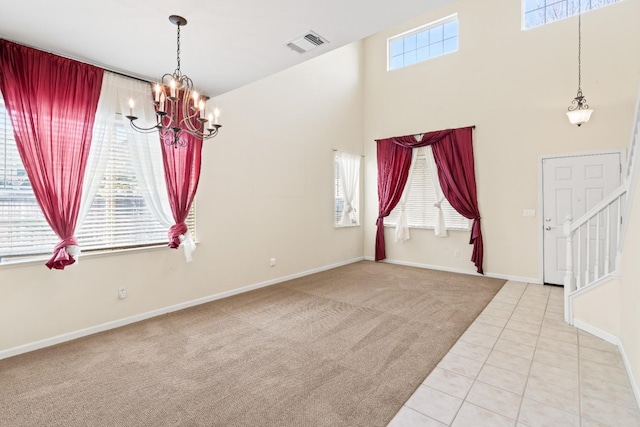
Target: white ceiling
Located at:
point(225, 45)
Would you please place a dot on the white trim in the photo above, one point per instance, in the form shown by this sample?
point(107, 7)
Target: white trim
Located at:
point(590, 286)
point(458, 270)
point(154, 313)
point(610, 338)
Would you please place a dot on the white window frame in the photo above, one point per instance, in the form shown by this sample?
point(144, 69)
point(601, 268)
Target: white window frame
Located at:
point(47, 234)
point(339, 198)
point(419, 211)
point(420, 30)
point(566, 9)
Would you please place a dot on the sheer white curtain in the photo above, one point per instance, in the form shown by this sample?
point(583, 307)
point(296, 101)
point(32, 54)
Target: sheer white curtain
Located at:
point(146, 155)
point(439, 229)
point(103, 136)
point(349, 166)
point(402, 228)
point(145, 149)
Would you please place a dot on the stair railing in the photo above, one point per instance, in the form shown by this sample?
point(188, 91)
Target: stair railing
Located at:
point(595, 240)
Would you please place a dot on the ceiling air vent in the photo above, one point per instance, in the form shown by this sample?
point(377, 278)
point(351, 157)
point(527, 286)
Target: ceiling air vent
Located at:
point(306, 42)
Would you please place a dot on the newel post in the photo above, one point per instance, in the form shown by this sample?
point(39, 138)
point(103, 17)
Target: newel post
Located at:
point(568, 277)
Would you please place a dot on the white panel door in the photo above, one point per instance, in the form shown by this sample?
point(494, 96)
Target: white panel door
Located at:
point(572, 186)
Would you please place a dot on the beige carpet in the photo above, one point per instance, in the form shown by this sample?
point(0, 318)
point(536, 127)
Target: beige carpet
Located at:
point(345, 347)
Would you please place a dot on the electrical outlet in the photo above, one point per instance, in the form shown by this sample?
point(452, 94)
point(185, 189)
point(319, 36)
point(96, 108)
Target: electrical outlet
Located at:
point(122, 292)
point(273, 262)
point(456, 253)
point(529, 213)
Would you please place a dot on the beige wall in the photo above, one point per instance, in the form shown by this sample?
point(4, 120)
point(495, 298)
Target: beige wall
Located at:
point(600, 307)
point(630, 289)
point(514, 86)
point(266, 190)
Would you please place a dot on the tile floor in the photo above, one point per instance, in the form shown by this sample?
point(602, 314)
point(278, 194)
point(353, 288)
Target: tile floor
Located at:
point(520, 365)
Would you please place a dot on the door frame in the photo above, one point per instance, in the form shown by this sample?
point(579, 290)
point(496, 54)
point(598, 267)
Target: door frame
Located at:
point(540, 223)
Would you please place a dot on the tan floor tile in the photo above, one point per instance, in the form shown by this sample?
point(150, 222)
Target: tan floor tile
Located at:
point(597, 371)
point(494, 399)
point(503, 379)
point(460, 365)
point(608, 392)
point(512, 363)
point(449, 382)
point(483, 328)
point(479, 339)
point(554, 316)
point(552, 394)
point(473, 416)
point(560, 377)
point(536, 414)
point(492, 320)
point(501, 306)
point(534, 303)
point(408, 417)
point(435, 404)
point(605, 357)
point(587, 340)
point(496, 312)
point(520, 337)
point(562, 336)
point(515, 348)
point(557, 360)
point(530, 312)
point(607, 412)
point(472, 351)
point(554, 308)
point(525, 318)
point(558, 324)
point(557, 346)
point(523, 327)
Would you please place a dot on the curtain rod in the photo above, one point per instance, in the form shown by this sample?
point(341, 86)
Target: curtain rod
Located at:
point(422, 133)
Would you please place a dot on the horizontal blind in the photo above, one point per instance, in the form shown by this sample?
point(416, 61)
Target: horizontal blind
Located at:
point(419, 207)
point(118, 217)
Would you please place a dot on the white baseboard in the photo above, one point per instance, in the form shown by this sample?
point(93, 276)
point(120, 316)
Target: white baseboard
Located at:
point(154, 313)
point(616, 341)
point(457, 270)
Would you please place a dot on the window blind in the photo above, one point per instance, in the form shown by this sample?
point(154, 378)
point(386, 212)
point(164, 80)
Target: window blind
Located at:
point(420, 209)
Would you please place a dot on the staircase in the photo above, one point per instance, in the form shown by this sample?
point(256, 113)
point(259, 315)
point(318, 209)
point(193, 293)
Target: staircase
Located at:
point(595, 240)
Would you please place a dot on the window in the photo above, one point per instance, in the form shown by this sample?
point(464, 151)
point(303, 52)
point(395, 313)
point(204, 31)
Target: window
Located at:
point(346, 179)
point(419, 208)
point(118, 217)
point(540, 12)
point(426, 42)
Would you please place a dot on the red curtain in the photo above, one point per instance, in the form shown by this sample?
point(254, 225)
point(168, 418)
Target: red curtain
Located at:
point(394, 162)
point(456, 171)
point(52, 103)
point(182, 173)
point(453, 152)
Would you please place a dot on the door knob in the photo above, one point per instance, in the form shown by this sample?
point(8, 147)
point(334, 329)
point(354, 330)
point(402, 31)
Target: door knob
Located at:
point(547, 228)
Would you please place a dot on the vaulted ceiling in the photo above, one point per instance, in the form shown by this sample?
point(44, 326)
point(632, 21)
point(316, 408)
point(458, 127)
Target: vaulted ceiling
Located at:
point(226, 43)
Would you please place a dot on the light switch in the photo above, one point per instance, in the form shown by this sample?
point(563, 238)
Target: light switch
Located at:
point(529, 213)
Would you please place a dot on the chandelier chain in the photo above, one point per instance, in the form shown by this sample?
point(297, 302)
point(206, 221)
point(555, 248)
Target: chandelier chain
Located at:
point(178, 50)
point(579, 51)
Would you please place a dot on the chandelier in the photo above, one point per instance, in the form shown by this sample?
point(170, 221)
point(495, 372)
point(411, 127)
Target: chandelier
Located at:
point(579, 111)
point(179, 107)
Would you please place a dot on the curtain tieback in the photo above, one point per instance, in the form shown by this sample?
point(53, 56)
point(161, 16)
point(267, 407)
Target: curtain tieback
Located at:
point(174, 234)
point(65, 253)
